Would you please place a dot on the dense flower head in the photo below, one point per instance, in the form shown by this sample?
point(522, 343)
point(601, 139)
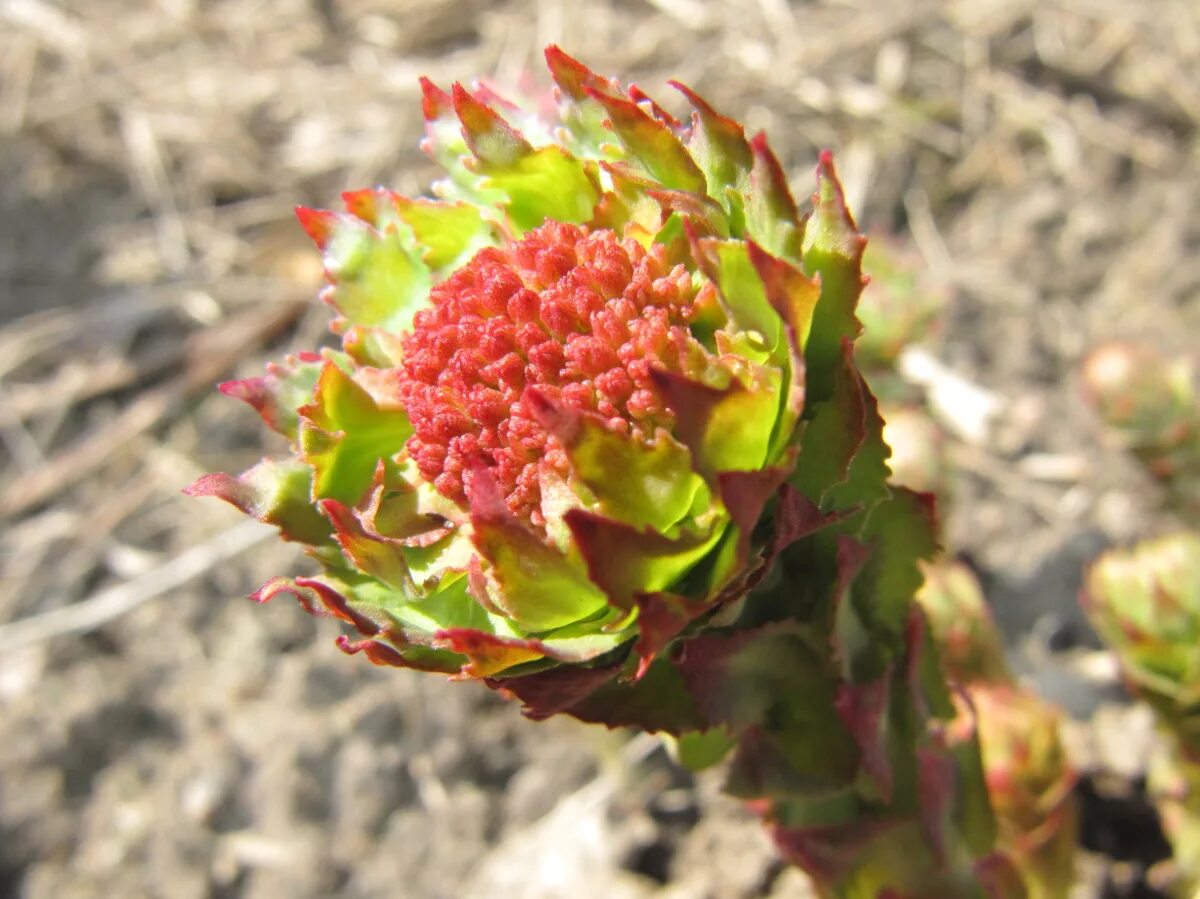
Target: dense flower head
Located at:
point(580, 316)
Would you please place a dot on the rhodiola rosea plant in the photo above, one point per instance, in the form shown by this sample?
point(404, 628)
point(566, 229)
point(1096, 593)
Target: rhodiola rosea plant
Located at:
point(595, 436)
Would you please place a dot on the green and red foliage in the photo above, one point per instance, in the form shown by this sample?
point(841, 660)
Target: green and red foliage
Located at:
point(596, 436)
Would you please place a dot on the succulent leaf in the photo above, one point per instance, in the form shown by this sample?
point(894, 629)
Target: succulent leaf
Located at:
point(280, 392)
point(539, 587)
point(718, 146)
point(275, 492)
point(377, 278)
point(345, 433)
point(641, 483)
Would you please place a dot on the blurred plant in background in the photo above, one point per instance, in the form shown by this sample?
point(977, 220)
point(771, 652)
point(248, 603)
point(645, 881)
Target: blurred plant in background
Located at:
point(1145, 603)
point(1150, 404)
point(902, 307)
point(1029, 777)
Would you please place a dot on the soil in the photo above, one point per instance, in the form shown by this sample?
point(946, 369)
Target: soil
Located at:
point(1041, 157)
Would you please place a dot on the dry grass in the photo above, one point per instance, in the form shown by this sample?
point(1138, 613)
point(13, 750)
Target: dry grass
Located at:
point(1043, 154)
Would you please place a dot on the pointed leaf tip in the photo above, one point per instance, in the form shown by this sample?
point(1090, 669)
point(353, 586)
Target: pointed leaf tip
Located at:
point(219, 484)
point(277, 395)
point(834, 223)
point(490, 138)
point(317, 224)
point(643, 99)
point(487, 499)
point(699, 103)
point(382, 559)
point(376, 652)
point(435, 102)
point(770, 178)
point(572, 76)
point(275, 493)
point(248, 390)
point(718, 144)
point(318, 599)
point(746, 494)
point(771, 215)
point(650, 142)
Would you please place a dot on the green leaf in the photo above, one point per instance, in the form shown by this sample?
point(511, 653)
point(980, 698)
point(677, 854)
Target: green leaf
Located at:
point(548, 183)
point(901, 531)
point(867, 480)
point(642, 484)
point(344, 434)
point(770, 211)
point(833, 436)
point(832, 249)
point(726, 429)
point(794, 298)
point(276, 493)
point(698, 750)
point(650, 143)
point(538, 586)
point(451, 605)
point(853, 642)
point(492, 140)
point(774, 690)
point(380, 558)
point(377, 278)
point(626, 562)
point(718, 145)
point(728, 265)
point(448, 233)
point(445, 143)
point(583, 117)
point(280, 392)
point(658, 703)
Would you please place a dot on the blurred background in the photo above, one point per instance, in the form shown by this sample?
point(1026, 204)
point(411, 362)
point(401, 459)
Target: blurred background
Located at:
point(1037, 160)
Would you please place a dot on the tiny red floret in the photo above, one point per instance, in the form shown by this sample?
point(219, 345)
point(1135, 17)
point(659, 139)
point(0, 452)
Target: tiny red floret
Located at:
point(582, 315)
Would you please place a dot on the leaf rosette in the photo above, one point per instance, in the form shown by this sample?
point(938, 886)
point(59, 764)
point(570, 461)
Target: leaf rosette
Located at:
point(595, 434)
point(570, 388)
